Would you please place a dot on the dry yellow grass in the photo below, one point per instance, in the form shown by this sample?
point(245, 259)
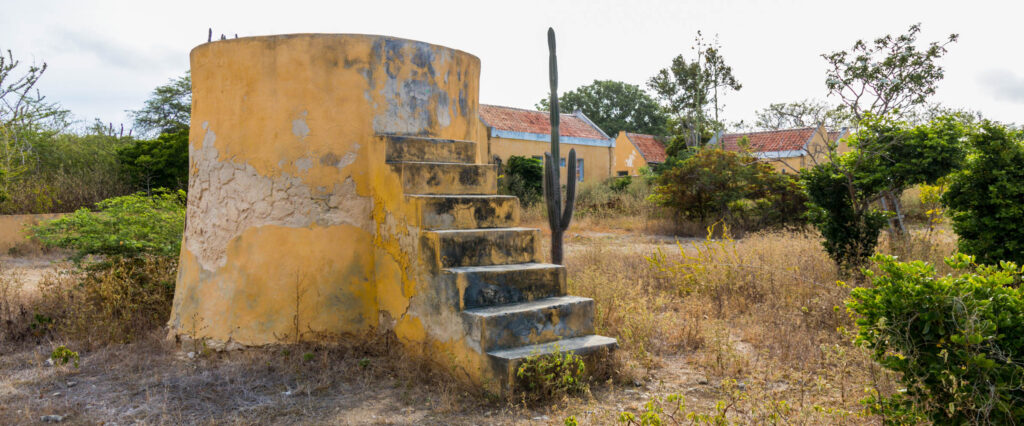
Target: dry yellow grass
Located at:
point(765, 312)
point(755, 325)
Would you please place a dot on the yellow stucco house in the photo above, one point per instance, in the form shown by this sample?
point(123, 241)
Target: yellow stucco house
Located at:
point(527, 133)
point(634, 151)
point(789, 150)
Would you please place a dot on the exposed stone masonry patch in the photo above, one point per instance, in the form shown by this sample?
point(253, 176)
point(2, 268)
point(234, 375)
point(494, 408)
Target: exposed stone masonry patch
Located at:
point(226, 198)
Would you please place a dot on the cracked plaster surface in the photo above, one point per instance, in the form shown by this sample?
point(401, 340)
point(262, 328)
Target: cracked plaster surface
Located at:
point(225, 198)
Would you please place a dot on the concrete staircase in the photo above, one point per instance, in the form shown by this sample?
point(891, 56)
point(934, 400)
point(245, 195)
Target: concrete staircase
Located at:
point(511, 304)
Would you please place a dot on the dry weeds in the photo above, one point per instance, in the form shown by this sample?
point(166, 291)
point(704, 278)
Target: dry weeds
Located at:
point(755, 325)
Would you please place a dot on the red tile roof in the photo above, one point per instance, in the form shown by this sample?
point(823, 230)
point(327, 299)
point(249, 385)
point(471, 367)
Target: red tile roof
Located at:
point(772, 140)
point(539, 122)
point(650, 148)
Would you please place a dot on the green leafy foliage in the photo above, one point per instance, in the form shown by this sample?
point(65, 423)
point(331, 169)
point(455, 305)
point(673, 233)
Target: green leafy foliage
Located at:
point(545, 377)
point(986, 198)
point(127, 226)
point(61, 355)
point(887, 157)
point(69, 171)
point(715, 185)
point(689, 88)
point(168, 109)
point(954, 340)
point(849, 226)
point(614, 106)
point(157, 163)
point(894, 155)
point(523, 177)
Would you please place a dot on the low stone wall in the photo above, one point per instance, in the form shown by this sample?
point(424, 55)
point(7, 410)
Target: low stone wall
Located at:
point(14, 235)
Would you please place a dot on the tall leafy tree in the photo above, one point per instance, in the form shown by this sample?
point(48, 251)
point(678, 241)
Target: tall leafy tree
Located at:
point(886, 78)
point(690, 88)
point(168, 109)
point(887, 75)
point(614, 106)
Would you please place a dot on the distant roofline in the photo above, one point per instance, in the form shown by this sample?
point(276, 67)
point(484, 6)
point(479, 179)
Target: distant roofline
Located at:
point(719, 138)
point(772, 131)
point(584, 117)
point(607, 141)
point(638, 148)
point(545, 137)
point(525, 109)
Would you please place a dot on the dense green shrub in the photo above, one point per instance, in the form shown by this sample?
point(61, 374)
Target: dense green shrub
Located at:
point(849, 225)
point(954, 340)
point(523, 177)
point(157, 163)
point(127, 226)
point(715, 185)
point(986, 198)
point(64, 172)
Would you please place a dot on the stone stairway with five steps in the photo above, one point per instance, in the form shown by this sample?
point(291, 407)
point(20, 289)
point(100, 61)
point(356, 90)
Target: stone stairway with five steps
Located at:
point(511, 304)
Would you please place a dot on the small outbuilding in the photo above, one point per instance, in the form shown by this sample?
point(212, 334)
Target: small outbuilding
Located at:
point(634, 151)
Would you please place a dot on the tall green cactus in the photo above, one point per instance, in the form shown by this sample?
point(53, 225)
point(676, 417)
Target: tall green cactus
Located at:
point(557, 218)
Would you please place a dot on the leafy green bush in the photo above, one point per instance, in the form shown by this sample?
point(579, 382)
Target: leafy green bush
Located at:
point(955, 340)
point(619, 184)
point(128, 226)
point(157, 163)
point(544, 377)
point(523, 178)
point(61, 355)
point(64, 172)
point(986, 198)
point(715, 185)
point(849, 225)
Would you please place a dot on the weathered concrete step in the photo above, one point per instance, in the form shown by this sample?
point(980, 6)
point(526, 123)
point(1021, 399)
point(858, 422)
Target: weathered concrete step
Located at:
point(506, 361)
point(447, 178)
point(413, 148)
point(480, 286)
point(480, 247)
point(539, 321)
point(467, 211)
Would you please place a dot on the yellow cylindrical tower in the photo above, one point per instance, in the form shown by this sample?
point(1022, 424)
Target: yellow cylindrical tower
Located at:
point(289, 192)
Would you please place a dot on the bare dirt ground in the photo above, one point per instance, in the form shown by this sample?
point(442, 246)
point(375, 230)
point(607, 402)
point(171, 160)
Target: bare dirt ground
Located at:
point(29, 270)
point(154, 381)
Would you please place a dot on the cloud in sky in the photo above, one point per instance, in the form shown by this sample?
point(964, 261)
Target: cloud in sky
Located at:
point(115, 53)
point(1004, 84)
point(107, 56)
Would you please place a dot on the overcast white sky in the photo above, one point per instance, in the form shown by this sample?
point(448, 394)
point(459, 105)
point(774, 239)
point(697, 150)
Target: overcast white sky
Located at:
point(105, 57)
